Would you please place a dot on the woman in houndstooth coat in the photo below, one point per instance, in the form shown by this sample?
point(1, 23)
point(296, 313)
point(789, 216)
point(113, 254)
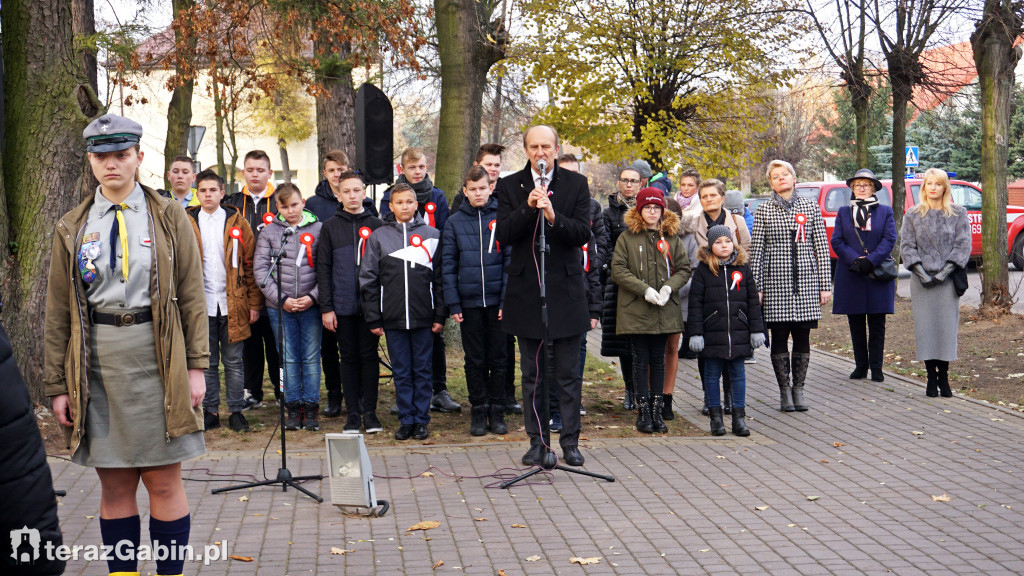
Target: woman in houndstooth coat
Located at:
point(790, 263)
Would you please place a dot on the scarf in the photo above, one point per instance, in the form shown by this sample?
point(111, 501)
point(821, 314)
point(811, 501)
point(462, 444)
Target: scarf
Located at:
point(732, 258)
point(862, 209)
point(629, 202)
point(719, 220)
point(684, 202)
point(423, 188)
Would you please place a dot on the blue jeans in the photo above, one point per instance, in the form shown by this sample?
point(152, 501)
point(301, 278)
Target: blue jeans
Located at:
point(301, 353)
point(737, 376)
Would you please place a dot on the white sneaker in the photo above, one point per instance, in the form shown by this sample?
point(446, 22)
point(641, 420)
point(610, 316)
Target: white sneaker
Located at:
point(750, 360)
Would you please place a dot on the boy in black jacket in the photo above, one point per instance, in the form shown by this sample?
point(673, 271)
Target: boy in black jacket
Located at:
point(343, 242)
point(474, 281)
point(401, 292)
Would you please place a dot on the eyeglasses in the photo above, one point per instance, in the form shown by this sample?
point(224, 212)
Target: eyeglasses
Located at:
point(864, 186)
point(651, 207)
point(629, 181)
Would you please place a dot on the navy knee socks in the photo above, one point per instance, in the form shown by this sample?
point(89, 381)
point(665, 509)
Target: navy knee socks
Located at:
point(116, 530)
point(173, 535)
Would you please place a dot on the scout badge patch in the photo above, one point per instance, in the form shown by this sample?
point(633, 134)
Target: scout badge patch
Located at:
point(89, 252)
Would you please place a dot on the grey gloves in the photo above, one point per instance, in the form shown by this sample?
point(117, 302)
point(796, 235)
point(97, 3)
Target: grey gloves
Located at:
point(697, 343)
point(757, 340)
point(926, 280)
point(941, 276)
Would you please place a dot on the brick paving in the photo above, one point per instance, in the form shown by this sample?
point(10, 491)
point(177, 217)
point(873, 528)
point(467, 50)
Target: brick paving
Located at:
point(679, 505)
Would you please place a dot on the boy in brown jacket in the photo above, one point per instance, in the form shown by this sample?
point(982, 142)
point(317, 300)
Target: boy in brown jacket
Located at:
point(233, 300)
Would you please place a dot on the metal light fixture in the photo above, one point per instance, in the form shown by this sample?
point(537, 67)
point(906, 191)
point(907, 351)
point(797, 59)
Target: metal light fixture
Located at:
point(351, 476)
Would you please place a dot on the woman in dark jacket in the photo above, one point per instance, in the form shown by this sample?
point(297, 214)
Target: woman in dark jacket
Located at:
point(614, 224)
point(864, 237)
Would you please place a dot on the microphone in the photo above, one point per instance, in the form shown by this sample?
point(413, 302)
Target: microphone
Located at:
point(542, 166)
point(289, 231)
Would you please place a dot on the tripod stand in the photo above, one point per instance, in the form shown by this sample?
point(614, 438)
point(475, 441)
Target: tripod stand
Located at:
point(284, 476)
point(548, 459)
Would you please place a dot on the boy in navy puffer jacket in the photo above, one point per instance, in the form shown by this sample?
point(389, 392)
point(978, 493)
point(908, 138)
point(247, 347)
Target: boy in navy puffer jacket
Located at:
point(401, 291)
point(474, 282)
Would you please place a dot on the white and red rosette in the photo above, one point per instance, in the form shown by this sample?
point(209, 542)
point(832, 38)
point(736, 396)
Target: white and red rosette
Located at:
point(268, 218)
point(235, 233)
point(429, 208)
point(306, 239)
point(801, 227)
point(364, 235)
point(737, 277)
point(490, 243)
point(586, 258)
point(415, 240)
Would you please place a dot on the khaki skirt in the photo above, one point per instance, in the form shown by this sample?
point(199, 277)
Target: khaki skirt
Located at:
point(125, 424)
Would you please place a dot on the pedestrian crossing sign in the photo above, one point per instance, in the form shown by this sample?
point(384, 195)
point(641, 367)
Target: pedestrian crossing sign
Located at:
point(912, 155)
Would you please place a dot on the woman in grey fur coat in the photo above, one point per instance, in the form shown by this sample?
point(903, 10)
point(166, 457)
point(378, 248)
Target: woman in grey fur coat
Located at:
point(935, 241)
point(790, 263)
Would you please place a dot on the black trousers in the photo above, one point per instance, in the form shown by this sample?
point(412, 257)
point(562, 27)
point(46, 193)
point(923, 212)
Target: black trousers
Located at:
point(259, 347)
point(868, 341)
point(330, 361)
point(566, 380)
point(780, 338)
point(359, 373)
point(484, 345)
point(648, 354)
point(439, 365)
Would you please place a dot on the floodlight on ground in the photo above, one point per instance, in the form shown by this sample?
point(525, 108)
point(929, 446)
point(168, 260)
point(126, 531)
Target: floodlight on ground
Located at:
point(351, 475)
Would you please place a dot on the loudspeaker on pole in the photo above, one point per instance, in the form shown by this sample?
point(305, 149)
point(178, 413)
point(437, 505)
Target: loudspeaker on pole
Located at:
point(375, 148)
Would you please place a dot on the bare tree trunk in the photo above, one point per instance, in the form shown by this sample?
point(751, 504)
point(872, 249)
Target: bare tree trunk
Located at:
point(218, 112)
point(84, 24)
point(496, 113)
point(995, 58)
point(466, 56)
point(44, 161)
point(285, 167)
point(335, 110)
point(179, 110)
point(900, 96)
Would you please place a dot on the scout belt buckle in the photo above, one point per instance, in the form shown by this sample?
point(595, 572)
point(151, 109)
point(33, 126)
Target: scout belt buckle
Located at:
point(126, 319)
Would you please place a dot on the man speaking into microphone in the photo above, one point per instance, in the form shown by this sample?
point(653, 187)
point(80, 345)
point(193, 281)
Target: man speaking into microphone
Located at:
point(542, 194)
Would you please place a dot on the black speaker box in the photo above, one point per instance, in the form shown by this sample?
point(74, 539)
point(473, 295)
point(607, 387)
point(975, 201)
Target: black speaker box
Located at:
point(375, 148)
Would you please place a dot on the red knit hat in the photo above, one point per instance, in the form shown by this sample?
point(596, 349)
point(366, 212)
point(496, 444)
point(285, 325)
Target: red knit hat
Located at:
point(649, 195)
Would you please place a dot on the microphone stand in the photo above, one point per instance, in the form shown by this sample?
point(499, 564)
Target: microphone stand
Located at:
point(284, 476)
point(548, 461)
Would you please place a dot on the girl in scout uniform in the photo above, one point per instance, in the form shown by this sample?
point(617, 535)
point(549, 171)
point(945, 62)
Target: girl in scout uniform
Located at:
point(126, 344)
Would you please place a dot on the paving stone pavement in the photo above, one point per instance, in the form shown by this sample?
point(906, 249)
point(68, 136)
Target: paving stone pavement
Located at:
point(873, 455)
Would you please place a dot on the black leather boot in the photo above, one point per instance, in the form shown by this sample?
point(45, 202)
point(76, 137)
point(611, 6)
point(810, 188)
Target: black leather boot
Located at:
point(657, 423)
point(932, 389)
point(496, 419)
point(643, 415)
point(726, 393)
point(294, 418)
point(666, 411)
point(333, 409)
point(717, 426)
point(876, 347)
point(859, 341)
point(942, 375)
point(739, 423)
point(800, 362)
point(478, 420)
point(310, 419)
point(780, 363)
point(629, 402)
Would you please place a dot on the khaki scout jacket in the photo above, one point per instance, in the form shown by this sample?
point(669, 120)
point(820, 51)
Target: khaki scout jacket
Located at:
point(178, 306)
point(243, 294)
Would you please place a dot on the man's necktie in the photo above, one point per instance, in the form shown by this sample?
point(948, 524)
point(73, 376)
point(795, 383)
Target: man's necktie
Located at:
point(117, 230)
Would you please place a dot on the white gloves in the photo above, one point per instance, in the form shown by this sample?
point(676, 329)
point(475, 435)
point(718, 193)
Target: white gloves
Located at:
point(652, 296)
point(665, 293)
point(696, 343)
point(757, 340)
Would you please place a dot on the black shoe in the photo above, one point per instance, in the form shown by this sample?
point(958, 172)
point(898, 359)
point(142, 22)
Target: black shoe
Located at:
point(877, 376)
point(942, 374)
point(211, 420)
point(352, 423)
point(442, 402)
point(657, 406)
point(310, 416)
point(571, 456)
point(643, 415)
point(420, 432)
point(739, 424)
point(859, 373)
point(294, 419)
point(237, 422)
point(333, 409)
point(555, 425)
point(404, 432)
point(371, 423)
point(629, 401)
point(496, 420)
point(251, 402)
point(666, 410)
point(513, 407)
point(478, 420)
point(932, 389)
point(533, 455)
point(717, 426)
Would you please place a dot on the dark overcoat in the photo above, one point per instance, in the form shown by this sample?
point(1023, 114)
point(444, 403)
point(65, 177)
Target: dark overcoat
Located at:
point(856, 293)
point(568, 313)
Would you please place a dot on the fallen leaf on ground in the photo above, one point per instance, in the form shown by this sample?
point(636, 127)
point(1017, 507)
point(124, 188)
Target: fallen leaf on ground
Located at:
point(704, 550)
point(340, 551)
point(918, 433)
point(533, 558)
point(480, 519)
point(438, 564)
point(501, 572)
point(791, 525)
point(241, 558)
point(942, 498)
point(761, 508)
point(721, 457)
point(838, 444)
point(478, 509)
point(585, 561)
point(243, 498)
point(427, 474)
point(519, 525)
point(425, 525)
point(813, 498)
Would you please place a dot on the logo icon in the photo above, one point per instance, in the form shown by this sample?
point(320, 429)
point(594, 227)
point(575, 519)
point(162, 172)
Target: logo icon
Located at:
point(25, 545)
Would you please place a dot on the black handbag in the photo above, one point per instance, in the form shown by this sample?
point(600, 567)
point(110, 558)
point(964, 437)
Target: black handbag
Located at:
point(959, 277)
point(884, 272)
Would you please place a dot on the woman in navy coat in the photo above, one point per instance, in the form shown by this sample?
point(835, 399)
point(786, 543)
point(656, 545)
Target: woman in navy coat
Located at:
point(856, 294)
